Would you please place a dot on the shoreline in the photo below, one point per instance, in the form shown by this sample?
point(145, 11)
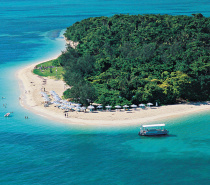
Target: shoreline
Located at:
point(31, 84)
point(30, 87)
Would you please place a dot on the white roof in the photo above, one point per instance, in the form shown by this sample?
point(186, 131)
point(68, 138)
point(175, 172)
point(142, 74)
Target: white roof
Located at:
point(155, 125)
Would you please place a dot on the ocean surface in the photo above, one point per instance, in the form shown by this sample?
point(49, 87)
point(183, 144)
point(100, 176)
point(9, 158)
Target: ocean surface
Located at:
point(37, 151)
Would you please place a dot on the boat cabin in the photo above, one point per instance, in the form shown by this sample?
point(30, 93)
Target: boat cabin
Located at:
point(153, 130)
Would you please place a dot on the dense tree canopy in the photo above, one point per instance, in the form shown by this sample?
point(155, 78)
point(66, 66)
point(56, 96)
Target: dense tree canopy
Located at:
point(138, 58)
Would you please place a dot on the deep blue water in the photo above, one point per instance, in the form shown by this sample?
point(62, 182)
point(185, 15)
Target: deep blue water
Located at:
point(38, 151)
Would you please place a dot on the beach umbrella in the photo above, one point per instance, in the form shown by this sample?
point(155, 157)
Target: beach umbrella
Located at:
point(70, 106)
point(66, 102)
point(83, 108)
point(64, 106)
point(43, 93)
point(53, 93)
point(118, 106)
point(90, 107)
point(141, 105)
point(149, 104)
point(78, 105)
point(46, 99)
point(57, 98)
point(134, 106)
point(57, 104)
point(125, 106)
point(108, 107)
point(78, 109)
point(99, 107)
point(61, 108)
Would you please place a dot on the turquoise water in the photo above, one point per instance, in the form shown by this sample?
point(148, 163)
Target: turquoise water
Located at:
point(39, 151)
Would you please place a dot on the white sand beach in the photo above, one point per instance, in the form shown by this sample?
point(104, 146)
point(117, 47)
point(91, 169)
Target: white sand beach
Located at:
point(30, 98)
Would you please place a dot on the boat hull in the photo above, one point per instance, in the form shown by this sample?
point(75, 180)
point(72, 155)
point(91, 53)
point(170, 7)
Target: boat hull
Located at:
point(7, 115)
point(153, 133)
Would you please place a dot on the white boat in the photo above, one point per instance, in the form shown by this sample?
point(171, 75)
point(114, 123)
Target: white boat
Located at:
point(153, 130)
point(7, 115)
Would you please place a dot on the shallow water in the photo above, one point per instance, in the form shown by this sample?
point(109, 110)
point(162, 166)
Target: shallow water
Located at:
point(39, 151)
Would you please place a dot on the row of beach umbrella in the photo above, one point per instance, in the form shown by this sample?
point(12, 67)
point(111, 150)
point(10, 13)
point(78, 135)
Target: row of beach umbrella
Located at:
point(45, 96)
point(55, 96)
point(78, 107)
point(125, 106)
point(63, 104)
point(108, 107)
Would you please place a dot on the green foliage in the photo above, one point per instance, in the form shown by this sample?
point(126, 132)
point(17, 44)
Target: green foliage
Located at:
point(82, 92)
point(139, 58)
point(56, 62)
point(49, 69)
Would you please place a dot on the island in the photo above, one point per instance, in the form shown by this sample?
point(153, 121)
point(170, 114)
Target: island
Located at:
point(125, 60)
